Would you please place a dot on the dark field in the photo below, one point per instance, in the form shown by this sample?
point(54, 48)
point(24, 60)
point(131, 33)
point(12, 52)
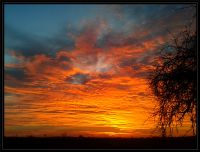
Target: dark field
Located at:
point(98, 143)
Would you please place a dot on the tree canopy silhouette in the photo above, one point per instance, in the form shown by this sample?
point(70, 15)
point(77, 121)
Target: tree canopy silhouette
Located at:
point(173, 81)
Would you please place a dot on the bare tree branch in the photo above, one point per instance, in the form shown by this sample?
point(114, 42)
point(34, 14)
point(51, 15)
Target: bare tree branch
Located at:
point(174, 81)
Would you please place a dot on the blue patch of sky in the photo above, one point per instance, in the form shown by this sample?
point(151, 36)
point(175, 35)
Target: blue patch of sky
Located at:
point(10, 59)
point(46, 19)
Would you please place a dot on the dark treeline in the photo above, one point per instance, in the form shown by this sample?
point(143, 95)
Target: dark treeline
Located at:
point(99, 143)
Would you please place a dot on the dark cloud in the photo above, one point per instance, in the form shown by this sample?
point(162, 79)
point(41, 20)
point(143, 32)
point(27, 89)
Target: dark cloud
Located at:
point(17, 73)
point(117, 39)
point(78, 78)
point(29, 45)
point(64, 58)
point(105, 76)
point(16, 77)
point(128, 62)
point(144, 59)
point(136, 38)
point(136, 67)
point(151, 13)
point(42, 63)
point(142, 74)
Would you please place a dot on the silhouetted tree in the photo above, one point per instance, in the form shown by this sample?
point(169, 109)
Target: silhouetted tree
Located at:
point(174, 81)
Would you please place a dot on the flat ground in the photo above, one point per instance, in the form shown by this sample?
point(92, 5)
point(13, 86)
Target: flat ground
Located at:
point(99, 143)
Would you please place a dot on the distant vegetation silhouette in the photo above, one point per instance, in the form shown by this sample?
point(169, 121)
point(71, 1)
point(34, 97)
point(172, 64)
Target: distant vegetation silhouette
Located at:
point(98, 143)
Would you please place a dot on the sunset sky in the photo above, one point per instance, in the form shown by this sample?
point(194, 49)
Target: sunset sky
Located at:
point(82, 69)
